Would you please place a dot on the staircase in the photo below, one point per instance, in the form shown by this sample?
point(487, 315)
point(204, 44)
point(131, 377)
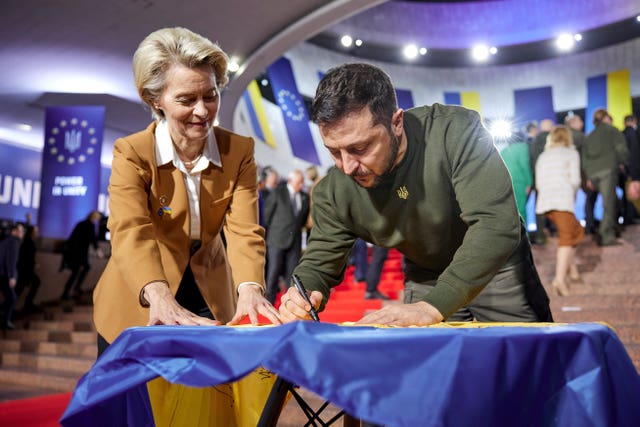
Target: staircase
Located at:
point(347, 303)
point(48, 351)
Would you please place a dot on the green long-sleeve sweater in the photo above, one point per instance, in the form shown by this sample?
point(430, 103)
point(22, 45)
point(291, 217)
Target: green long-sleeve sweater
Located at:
point(603, 149)
point(448, 207)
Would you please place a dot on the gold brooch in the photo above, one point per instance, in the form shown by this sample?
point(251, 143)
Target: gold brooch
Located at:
point(403, 193)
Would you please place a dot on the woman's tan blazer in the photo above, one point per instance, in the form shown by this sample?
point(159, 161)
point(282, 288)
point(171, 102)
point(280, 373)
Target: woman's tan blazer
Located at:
point(149, 225)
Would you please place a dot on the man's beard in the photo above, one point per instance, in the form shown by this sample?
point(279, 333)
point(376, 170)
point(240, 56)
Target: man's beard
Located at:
point(390, 161)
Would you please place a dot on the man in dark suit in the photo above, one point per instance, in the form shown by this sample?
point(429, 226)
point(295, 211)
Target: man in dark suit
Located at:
point(285, 213)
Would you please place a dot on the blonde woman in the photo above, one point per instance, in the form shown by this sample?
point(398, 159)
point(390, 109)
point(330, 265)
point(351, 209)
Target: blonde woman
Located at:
point(174, 187)
point(557, 180)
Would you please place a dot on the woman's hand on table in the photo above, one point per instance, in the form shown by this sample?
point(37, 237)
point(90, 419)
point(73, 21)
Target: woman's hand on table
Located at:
point(252, 302)
point(416, 314)
point(165, 310)
point(294, 307)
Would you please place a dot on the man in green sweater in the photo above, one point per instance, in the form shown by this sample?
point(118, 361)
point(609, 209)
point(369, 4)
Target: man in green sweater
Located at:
point(428, 182)
point(603, 153)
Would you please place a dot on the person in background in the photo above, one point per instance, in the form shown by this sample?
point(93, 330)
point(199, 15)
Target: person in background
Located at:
point(75, 254)
point(9, 250)
point(516, 157)
point(603, 154)
point(428, 182)
point(531, 131)
point(285, 214)
point(173, 188)
point(27, 276)
point(557, 181)
point(535, 149)
point(633, 168)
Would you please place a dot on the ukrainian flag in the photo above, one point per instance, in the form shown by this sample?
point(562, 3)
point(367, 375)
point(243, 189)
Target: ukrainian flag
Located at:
point(470, 100)
point(257, 114)
point(611, 91)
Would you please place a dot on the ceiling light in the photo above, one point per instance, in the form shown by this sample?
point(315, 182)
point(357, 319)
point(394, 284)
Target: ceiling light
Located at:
point(346, 41)
point(410, 51)
point(358, 42)
point(233, 65)
point(565, 42)
point(480, 52)
point(423, 51)
point(493, 50)
point(638, 18)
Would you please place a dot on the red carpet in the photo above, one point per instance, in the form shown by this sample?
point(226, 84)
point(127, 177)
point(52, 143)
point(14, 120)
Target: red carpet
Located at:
point(44, 411)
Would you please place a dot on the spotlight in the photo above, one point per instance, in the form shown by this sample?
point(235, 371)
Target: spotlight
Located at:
point(565, 42)
point(423, 51)
point(346, 41)
point(480, 52)
point(233, 65)
point(358, 42)
point(264, 82)
point(500, 129)
point(638, 18)
point(410, 51)
point(577, 37)
point(493, 50)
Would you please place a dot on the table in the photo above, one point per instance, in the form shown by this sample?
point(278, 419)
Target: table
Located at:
point(464, 374)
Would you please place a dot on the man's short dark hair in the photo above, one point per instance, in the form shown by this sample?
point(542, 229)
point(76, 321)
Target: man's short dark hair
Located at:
point(349, 88)
point(629, 118)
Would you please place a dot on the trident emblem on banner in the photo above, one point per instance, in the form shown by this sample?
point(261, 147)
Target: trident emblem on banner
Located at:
point(72, 140)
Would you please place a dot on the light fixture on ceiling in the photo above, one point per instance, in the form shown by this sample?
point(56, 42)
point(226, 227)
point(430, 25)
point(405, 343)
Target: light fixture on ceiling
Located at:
point(358, 42)
point(565, 42)
point(410, 51)
point(233, 65)
point(423, 51)
point(346, 40)
point(480, 52)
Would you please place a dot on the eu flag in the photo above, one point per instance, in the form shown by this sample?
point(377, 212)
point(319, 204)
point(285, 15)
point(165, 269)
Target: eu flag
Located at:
point(294, 111)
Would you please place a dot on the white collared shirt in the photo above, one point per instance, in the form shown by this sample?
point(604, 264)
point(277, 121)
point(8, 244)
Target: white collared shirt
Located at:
point(166, 152)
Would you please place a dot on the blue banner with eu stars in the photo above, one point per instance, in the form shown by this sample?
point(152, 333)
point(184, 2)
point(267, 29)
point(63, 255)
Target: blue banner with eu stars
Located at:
point(70, 167)
point(294, 112)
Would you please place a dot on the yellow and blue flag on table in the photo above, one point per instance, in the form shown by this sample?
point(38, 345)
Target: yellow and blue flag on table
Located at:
point(470, 100)
point(611, 91)
point(537, 374)
point(257, 114)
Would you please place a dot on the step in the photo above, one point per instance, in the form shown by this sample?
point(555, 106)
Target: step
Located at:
point(78, 366)
point(52, 336)
point(70, 349)
point(45, 379)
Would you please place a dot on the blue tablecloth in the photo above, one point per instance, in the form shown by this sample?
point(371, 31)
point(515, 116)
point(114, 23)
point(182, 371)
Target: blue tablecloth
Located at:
point(543, 375)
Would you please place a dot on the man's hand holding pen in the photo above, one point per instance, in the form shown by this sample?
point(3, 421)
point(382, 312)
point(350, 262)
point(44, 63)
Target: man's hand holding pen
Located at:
point(293, 306)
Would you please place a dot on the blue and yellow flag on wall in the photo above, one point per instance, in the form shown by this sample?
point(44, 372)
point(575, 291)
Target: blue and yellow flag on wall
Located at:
point(611, 91)
point(470, 100)
point(257, 114)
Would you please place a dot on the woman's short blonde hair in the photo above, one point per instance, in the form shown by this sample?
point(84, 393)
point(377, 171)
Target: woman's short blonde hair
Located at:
point(560, 136)
point(173, 46)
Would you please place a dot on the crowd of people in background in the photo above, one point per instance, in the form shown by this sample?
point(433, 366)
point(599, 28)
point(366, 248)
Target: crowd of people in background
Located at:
point(552, 162)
